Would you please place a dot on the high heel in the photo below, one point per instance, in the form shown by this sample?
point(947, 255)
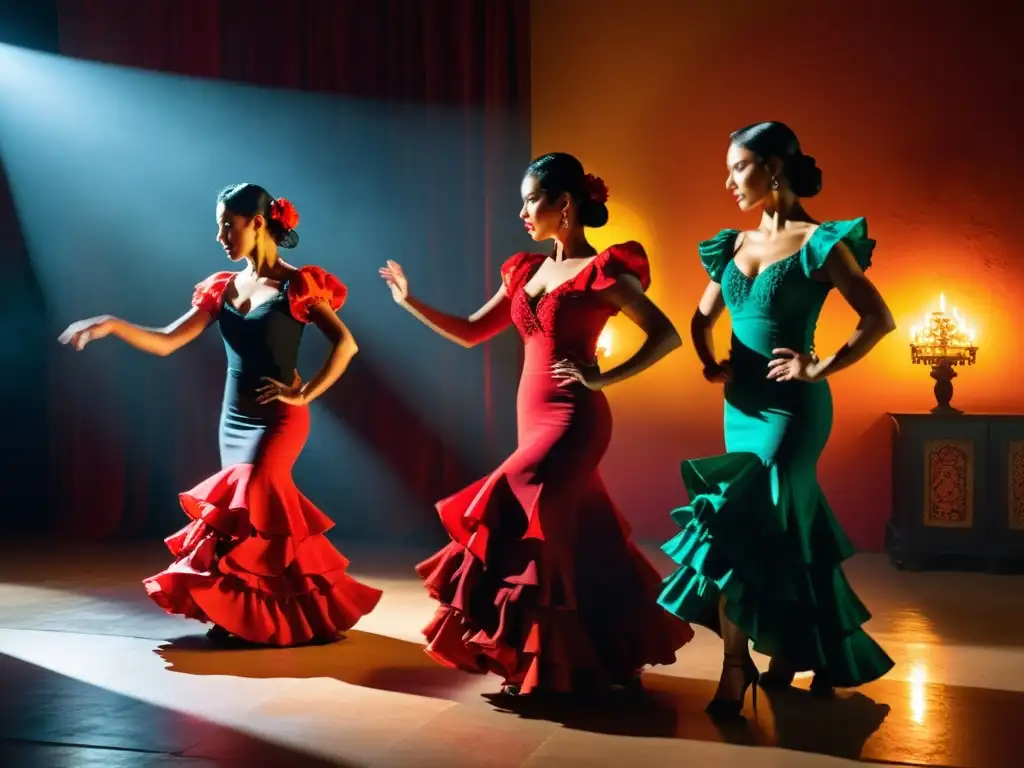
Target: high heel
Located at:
point(730, 709)
point(779, 675)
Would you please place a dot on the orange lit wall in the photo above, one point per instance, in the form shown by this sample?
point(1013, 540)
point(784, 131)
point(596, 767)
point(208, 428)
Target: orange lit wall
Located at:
point(908, 113)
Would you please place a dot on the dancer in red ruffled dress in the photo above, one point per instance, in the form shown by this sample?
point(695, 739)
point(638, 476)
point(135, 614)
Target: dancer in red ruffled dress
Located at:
point(254, 561)
point(541, 583)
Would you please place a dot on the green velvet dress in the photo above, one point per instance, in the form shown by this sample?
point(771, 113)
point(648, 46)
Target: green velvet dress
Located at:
point(758, 529)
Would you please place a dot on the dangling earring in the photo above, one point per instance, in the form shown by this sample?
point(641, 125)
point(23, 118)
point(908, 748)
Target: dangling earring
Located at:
point(565, 220)
point(775, 183)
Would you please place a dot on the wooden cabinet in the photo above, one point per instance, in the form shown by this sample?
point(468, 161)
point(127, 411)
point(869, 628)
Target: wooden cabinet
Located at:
point(958, 489)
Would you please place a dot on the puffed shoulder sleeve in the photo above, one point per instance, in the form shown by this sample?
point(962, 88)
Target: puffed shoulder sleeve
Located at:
point(716, 253)
point(310, 286)
point(209, 294)
point(623, 259)
point(852, 233)
point(516, 269)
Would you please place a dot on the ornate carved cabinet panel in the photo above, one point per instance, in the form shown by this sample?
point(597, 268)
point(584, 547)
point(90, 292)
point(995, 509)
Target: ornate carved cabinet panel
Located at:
point(1006, 446)
point(958, 488)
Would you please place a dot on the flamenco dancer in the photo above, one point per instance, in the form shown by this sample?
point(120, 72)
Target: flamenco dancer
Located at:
point(254, 560)
point(760, 552)
point(541, 583)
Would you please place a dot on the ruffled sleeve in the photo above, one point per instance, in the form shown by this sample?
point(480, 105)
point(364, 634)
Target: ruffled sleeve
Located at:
point(209, 294)
point(517, 268)
point(623, 259)
point(854, 233)
point(310, 286)
point(716, 253)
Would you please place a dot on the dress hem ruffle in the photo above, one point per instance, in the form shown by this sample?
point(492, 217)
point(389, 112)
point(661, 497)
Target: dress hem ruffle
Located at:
point(782, 579)
point(275, 587)
point(503, 611)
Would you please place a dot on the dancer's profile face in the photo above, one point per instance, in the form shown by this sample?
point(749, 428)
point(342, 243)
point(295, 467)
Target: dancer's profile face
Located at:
point(236, 234)
point(542, 217)
point(749, 181)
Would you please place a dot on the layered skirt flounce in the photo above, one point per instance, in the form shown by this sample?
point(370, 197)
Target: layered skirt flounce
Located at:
point(254, 560)
point(545, 590)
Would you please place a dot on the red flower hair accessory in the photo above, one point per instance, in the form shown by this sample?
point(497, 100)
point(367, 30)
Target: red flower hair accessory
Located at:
point(283, 212)
point(596, 188)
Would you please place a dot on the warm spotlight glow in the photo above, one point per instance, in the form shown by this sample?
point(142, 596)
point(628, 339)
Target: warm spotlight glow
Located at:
point(604, 343)
point(624, 224)
point(620, 335)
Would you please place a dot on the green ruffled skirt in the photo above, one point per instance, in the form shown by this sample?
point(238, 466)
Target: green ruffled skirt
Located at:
point(766, 539)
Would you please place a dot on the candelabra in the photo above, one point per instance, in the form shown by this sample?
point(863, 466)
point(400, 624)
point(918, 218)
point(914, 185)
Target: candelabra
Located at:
point(943, 341)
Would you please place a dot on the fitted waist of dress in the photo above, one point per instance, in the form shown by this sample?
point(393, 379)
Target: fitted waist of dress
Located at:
point(756, 348)
point(538, 387)
point(247, 381)
point(541, 354)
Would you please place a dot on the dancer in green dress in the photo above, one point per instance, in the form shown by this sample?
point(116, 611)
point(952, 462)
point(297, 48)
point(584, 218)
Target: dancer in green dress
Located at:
point(760, 552)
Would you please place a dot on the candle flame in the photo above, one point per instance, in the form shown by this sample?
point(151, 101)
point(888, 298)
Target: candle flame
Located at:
point(942, 331)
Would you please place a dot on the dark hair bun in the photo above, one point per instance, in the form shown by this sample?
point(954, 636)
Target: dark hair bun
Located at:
point(251, 199)
point(593, 214)
point(287, 238)
point(559, 173)
point(772, 139)
point(803, 175)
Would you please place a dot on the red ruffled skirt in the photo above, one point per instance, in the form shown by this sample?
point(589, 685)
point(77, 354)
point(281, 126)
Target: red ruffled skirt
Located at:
point(541, 583)
point(254, 559)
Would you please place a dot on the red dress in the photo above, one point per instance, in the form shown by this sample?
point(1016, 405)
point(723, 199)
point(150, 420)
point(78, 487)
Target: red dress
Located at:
point(541, 583)
point(254, 559)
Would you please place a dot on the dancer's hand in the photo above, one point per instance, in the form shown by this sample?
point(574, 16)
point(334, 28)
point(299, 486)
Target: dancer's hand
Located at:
point(275, 390)
point(793, 366)
point(568, 372)
point(81, 333)
point(396, 280)
point(719, 373)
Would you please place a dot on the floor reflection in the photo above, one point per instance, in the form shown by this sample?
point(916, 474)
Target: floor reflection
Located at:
point(78, 621)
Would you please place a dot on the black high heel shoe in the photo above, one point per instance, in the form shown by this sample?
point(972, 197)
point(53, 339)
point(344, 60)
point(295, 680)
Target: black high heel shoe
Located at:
point(780, 675)
point(730, 709)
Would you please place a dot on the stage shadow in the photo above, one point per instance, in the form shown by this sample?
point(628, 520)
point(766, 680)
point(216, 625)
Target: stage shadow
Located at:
point(59, 720)
point(669, 707)
point(360, 658)
point(673, 707)
point(839, 726)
